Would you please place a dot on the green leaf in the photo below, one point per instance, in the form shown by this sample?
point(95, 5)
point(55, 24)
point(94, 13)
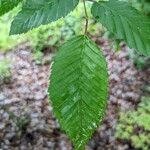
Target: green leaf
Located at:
point(40, 12)
point(125, 22)
point(7, 5)
point(78, 88)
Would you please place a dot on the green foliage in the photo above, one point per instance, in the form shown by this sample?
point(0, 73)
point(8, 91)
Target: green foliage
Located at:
point(79, 77)
point(6, 41)
point(125, 23)
point(49, 35)
point(78, 88)
point(21, 121)
point(35, 13)
point(7, 5)
point(5, 73)
point(62, 30)
point(140, 62)
point(46, 36)
point(142, 5)
point(38, 56)
point(135, 125)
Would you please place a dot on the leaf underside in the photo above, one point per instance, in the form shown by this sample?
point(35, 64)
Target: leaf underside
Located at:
point(7, 5)
point(78, 88)
point(35, 13)
point(125, 22)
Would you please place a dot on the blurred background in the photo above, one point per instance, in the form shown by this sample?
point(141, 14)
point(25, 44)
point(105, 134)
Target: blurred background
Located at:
point(26, 118)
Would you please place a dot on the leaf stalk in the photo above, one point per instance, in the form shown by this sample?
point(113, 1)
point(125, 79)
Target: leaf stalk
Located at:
point(86, 17)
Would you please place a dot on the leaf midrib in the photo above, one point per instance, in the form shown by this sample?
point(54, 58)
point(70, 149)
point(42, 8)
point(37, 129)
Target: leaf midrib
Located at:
point(80, 87)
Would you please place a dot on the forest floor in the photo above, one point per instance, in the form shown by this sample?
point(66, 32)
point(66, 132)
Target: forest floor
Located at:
point(26, 118)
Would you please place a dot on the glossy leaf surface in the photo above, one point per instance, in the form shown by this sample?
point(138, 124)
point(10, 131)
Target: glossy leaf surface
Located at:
point(40, 12)
point(78, 88)
point(125, 22)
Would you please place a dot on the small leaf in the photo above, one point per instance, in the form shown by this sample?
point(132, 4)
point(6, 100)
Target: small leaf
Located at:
point(40, 12)
point(7, 5)
point(78, 88)
point(125, 22)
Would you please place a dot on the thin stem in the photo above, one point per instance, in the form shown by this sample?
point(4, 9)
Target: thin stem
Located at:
point(86, 17)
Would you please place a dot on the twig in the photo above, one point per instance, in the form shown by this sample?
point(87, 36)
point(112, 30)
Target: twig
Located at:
point(86, 17)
